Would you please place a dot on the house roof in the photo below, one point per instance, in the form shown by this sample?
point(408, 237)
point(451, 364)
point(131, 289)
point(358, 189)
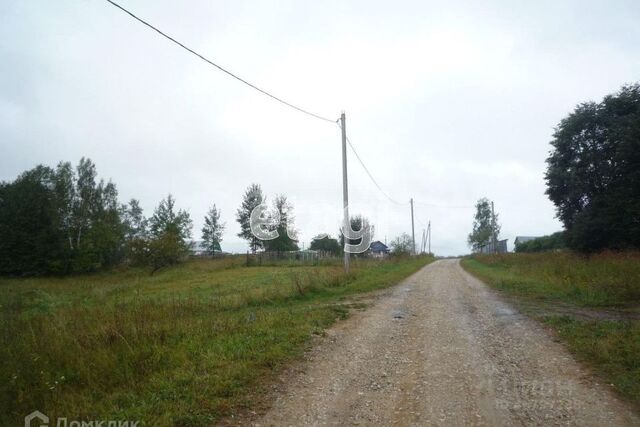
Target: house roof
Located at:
point(378, 246)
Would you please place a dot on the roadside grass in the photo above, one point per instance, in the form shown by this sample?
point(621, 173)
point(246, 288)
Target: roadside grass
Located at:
point(612, 348)
point(186, 346)
point(557, 288)
point(603, 280)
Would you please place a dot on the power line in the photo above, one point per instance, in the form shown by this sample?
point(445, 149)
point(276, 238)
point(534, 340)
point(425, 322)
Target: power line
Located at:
point(317, 116)
point(264, 92)
point(371, 176)
point(389, 197)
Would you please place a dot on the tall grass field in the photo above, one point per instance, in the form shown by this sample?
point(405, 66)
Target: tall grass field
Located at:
point(185, 346)
point(592, 303)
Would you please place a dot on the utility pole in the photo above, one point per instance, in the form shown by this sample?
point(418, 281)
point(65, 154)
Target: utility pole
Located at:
point(429, 235)
point(493, 229)
point(345, 188)
point(413, 233)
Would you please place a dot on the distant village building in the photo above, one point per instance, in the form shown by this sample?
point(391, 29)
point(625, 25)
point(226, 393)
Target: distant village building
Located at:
point(488, 248)
point(378, 249)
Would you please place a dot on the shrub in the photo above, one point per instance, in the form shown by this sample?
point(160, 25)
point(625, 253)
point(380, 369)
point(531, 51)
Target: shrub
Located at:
point(552, 242)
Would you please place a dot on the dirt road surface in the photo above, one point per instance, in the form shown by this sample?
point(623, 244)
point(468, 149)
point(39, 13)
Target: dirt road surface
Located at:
point(443, 349)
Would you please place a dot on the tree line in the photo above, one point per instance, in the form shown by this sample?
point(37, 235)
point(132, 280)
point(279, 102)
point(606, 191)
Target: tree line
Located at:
point(64, 220)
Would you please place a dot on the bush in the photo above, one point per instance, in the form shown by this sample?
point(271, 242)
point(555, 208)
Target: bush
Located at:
point(166, 250)
point(555, 241)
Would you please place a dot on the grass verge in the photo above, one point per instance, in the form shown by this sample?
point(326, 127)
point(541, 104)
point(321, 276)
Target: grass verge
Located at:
point(590, 302)
point(183, 347)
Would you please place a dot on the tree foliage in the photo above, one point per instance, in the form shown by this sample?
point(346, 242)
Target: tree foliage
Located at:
point(484, 225)
point(402, 245)
point(326, 244)
point(170, 231)
point(31, 242)
point(65, 220)
point(252, 197)
point(213, 230)
point(593, 172)
point(555, 241)
point(283, 210)
point(59, 221)
point(135, 224)
point(167, 220)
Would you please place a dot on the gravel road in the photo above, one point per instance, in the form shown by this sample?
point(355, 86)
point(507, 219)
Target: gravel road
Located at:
point(442, 349)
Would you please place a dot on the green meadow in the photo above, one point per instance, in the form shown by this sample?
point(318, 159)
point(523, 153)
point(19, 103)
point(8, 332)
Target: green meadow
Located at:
point(186, 346)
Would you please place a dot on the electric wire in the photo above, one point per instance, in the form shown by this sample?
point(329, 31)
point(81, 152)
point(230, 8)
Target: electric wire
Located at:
point(288, 104)
point(142, 21)
point(391, 199)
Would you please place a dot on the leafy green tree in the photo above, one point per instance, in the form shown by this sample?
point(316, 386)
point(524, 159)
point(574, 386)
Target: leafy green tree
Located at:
point(164, 250)
point(136, 233)
point(31, 240)
point(97, 223)
point(65, 194)
point(484, 225)
point(170, 230)
point(167, 220)
point(105, 237)
point(81, 221)
point(326, 244)
point(593, 172)
point(84, 200)
point(213, 230)
point(252, 197)
point(402, 245)
point(135, 223)
point(283, 209)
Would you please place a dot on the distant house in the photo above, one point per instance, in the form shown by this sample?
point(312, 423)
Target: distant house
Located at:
point(522, 239)
point(488, 248)
point(378, 249)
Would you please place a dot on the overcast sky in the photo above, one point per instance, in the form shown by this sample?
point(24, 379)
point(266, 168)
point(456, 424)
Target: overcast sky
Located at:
point(446, 102)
